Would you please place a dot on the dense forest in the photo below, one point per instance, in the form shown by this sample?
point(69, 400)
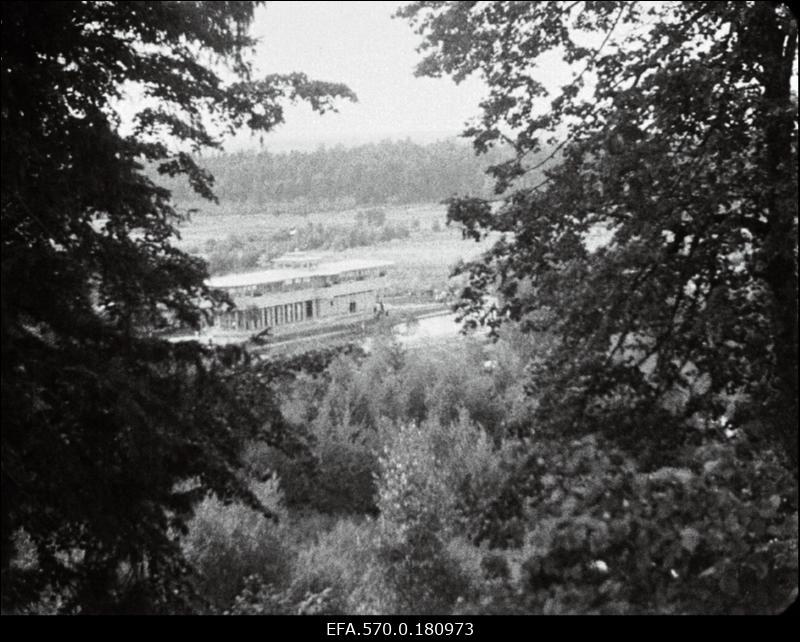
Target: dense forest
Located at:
point(389, 172)
point(418, 485)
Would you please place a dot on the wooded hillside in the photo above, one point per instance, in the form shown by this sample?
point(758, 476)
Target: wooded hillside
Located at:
point(389, 172)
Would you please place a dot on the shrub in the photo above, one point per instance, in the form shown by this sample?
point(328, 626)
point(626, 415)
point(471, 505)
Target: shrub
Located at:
point(345, 476)
point(337, 477)
point(717, 536)
point(475, 471)
point(260, 598)
point(413, 485)
point(417, 514)
point(297, 473)
point(375, 217)
point(226, 543)
point(344, 563)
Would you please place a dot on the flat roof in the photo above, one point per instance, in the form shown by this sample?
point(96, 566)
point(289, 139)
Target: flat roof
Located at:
point(280, 275)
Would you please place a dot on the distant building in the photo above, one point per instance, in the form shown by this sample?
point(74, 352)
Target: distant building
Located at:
point(301, 288)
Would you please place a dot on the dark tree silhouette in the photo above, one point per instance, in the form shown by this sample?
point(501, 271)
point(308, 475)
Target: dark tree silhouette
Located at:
point(679, 137)
point(103, 425)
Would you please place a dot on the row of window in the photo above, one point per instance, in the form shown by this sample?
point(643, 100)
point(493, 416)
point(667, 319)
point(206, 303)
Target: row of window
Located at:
point(259, 318)
point(275, 315)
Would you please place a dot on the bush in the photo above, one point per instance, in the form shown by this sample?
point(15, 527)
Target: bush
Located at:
point(345, 476)
point(601, 535)
point(413, 485)
point(296, 472)
point(226, 543)
point(474, 469)
point(417, 515)
point(260, 598)
point(375, 217)
point(344, 563)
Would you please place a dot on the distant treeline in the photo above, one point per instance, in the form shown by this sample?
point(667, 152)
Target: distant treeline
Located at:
point(389, 172)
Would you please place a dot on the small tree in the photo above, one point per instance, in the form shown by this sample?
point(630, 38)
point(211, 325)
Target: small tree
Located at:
point(417, 510)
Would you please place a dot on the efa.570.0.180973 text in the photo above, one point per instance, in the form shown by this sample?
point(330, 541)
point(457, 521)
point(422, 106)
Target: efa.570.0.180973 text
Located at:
point(400, 628)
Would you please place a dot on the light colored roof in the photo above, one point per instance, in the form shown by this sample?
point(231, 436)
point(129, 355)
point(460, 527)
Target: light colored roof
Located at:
point(332, 268)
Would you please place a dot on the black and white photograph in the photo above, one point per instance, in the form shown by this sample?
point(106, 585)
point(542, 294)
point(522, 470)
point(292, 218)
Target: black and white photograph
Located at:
point(408, 317)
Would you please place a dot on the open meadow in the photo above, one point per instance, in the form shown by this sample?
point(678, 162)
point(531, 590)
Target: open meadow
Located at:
point(423, 259)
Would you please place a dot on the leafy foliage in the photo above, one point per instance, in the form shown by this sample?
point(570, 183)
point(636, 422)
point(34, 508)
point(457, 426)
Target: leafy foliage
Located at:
point(600, 535)
point(102, 421)
point(344, 563)
point(225, 544)
point(678, 143)
point(480, 520)
point(259, 598)
point(416, 515)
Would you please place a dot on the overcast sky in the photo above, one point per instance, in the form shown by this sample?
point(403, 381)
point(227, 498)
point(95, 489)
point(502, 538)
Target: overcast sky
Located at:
point(359, 44)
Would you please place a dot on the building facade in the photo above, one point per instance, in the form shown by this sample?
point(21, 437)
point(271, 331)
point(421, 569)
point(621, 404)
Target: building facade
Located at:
point(301, 289)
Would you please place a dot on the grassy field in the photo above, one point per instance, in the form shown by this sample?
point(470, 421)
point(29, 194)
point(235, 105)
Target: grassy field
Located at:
point(422, 261)
point(217, 222)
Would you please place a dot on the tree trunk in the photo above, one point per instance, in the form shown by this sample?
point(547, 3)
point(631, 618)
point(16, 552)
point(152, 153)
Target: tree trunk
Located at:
point(780, 247)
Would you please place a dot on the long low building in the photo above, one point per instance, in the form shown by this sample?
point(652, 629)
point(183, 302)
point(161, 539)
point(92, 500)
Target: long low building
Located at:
point(300, 289)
